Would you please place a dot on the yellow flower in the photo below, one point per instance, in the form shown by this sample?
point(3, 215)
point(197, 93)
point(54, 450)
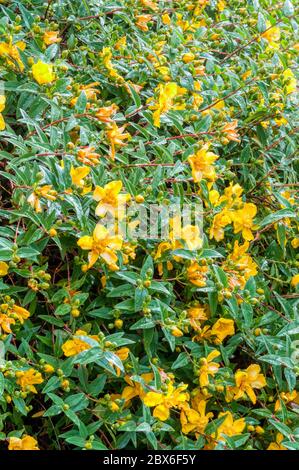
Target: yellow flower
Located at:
point(24, 443)
point(78, 174)
point(45, 191)
point(121, 43)
point(110, 200)
point(188, 57)
point(208, 368)
point(277, 444)
point(163, 402)
point(197, 274)
point(116, 137)
point(90, 91)
point(104, 114)
point(197, 315)
point(27, 379)
point(195, 420)
point(135, 389)
point(122, 353)
point(223, 328)
point(295, 243)
point(220, 221)
point(3, 268)
point(150, 4)
point(175, 331)
point(202, 164)
point(142, 21)
point(229, 426)
point(76, 345)
point(290, 80)
point(247, 380)
point(272, 35)
point(229, 131)
point(51, 37)
point(167, 92)
point(166, 19)
point(49, 369)
point(9, 316)
point(295, 280)
point(42, 73)
point(239, 265)
point(287, 397)
point(221, 5)
point(2, 106)
point(101, 245)
point(243, 220)
point(88, 156)
point(191, 236)
point(6, 322)
point(106, 56)
point(11, 53)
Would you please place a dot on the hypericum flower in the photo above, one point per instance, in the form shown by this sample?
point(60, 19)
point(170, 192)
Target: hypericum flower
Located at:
point(230, 133)
point(48, 369)
point(175, 331)
point(272, 35)
point(229, 426)
point(191, 236)
point(277, 444)
point(120, 44)
point(208, 368)
point(116, 137)
point(135, 389)
point(101, 245)
point(78, 174)
point(232, 196)
point(197, 274)
point(88, 156)
point(6, 322)
point(220, 221)
point(2, 106)
point(150, 4)
point(45, 191)
point(295, 280)
point(163, 402)
point(43, 73)
point(166, 94)
point(222, 328)
point(28, 378)
point(290, 81)
point(106, 56)
point(10, 314)
point(104, 114)
point(24, 443)
point(202, 164)
point(243, 220)
point(295, 242)
point(287, 397)
point(197, 315)
point(3, 268)
point(247, 380)
point(128, 251)
point(110, 200)
point(11, 53)
point(90, 91)
point(195, 420)
point(142, 21)
point(76, 345)
point(239, 265)
point(51, 37)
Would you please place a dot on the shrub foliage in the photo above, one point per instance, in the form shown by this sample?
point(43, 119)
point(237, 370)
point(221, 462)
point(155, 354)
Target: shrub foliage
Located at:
point(112, 342)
